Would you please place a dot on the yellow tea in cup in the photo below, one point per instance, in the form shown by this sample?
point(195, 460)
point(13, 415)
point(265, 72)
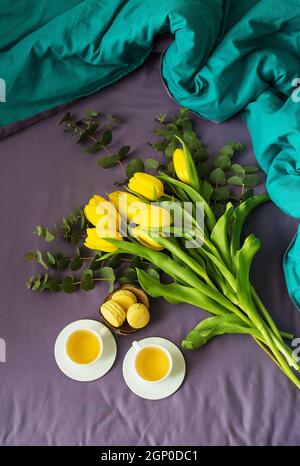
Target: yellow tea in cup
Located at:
point(83, 347)
point(152, 363)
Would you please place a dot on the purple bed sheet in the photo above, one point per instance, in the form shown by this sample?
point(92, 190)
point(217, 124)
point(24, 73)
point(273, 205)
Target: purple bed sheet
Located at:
point(233, 393)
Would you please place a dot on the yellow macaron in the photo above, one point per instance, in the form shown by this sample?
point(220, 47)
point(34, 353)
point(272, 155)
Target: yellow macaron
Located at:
point(138, 315)
point(125, 298)
point(113, 313)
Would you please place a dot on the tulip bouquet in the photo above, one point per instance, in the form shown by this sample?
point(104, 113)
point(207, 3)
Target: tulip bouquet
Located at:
point(206, 263)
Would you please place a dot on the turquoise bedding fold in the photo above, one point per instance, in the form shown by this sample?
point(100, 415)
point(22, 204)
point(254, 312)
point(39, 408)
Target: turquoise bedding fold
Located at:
point(226, 57)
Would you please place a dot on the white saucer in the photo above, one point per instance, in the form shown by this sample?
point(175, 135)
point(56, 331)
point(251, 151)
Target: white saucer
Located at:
point(155, 391)
point(100, 367)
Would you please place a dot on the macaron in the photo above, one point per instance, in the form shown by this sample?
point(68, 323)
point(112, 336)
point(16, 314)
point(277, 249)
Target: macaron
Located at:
point(113, 313)
point(125, 298)
point(138, 315)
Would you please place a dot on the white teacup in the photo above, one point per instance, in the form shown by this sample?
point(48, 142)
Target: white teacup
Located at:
point(152, 363)
point(83, 347)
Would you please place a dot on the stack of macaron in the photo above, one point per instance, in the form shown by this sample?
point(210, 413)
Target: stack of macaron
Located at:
point(123, 306)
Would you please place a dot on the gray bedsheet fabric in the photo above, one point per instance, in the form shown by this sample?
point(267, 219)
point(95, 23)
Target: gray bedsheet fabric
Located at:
point(233, 393)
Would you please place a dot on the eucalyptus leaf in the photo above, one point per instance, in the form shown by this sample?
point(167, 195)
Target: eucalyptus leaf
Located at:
point(42, 232)
point(87, 282)
point(151, 164)
point(230, 148)
point(54, 285)
point(75, 237)
point(93, 148)
point(221, 194)
point(129, 276)
point(153, 273)
point(76, 263)
point(38, 257)
point(159, 145)
point(237, 169)
point(236, 180)
point(51, 259)
point(124, 151)
point(36, 283)
point(170, 149)
point(207, 190)
point(96, 262)
point(62, 262)
point(247, 194)
point(114, 262)
point(108, 274)
point(68, 285)
point(109, 161)
point(204, 170)
point(223, 161)
point(251, 180)
point(217, 177)
point(29, 256)
point(200, 154)
point(106, 137)
point(135, 165)
point(250, 169)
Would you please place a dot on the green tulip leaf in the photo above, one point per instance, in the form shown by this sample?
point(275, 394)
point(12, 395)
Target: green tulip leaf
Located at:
point(242, 261)
point(175, 293)
point(214, 326)
point(239, 217)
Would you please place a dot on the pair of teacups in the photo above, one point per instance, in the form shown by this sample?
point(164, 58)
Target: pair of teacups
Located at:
point(151, 364)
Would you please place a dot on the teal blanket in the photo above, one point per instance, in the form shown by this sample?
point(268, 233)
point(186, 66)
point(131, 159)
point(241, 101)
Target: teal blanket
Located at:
point(227, 56)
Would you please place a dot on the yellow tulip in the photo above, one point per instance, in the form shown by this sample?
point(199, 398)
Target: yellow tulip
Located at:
point(180, 166)
point(145, 239)
point(146, 185)
point(126, 204)
point(185, 167)
point(102, 214)
point(93, 241)
point(133, 210)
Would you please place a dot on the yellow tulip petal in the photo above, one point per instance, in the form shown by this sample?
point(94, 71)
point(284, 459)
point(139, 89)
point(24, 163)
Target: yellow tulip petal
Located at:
point(99, 210)
point(93, 241)
point(145, 239)
point(180, 166)
point(146, 185)
point(123, 202)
